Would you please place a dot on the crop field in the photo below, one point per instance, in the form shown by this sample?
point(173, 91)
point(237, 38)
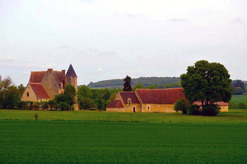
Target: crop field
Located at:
point(101, 137)
point(239, 99)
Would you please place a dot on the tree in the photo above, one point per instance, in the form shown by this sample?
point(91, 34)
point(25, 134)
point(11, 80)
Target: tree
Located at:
point(127, 84)
point(85, 102)
point(85, 91)
point(70, 92)
point(207, 83)
point(181, 105)
point(238, 87)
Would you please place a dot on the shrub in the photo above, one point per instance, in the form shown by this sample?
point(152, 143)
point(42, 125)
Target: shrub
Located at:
point(63, 106)
point(52, 104)
point(194, 110)
point(181, 105)
point(242, 106)
point(211, 110)
point(45, 105)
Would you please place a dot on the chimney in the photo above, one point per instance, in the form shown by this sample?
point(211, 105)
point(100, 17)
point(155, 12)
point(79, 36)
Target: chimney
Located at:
point(63, 72)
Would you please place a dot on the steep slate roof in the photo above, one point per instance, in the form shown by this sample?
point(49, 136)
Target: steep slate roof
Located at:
point(39, 91)
point(37, 76)
point(160, 96)
point(126, 95)
point(71, 72)
point(59, 77)
point(115, 104)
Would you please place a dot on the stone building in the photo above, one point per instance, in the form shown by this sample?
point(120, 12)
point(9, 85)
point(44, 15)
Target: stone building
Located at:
point(45, 85)
point(150, 100)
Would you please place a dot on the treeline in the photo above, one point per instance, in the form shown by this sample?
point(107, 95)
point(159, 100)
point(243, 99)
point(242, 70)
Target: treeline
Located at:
point(240, 105)
point(93, 99)
point(159, 82)
point(239, 87)
point(10, 95)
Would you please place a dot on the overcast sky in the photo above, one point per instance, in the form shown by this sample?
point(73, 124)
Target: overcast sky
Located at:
point(109, 39)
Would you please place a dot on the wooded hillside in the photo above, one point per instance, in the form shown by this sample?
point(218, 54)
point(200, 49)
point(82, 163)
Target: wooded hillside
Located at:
point(145, 81)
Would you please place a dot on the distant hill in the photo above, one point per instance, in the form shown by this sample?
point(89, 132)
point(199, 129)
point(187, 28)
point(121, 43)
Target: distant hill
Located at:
point(145, 81)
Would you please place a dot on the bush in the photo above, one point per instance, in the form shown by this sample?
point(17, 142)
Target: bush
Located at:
point(181, 105)
point(211, 110)
point(63, 106)
point(194, 110)
point(242, 106)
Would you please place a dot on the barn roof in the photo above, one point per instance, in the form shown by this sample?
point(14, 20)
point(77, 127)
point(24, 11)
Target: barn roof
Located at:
point(37, 76)
point(115, 104)
point(39, 91)
point(160, 96)
point(126, 95)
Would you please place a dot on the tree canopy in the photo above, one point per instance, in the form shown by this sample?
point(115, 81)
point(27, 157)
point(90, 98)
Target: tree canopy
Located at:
point(127, 84)
point(207, 83)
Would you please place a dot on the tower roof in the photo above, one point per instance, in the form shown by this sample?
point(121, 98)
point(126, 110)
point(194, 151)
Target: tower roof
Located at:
point(71, 72)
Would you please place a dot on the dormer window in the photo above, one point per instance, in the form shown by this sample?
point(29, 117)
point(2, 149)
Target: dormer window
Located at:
point(129, 101)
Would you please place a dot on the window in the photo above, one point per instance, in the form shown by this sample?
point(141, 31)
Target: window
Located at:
point(148, 107)
point(134, 109)
point(27, 94)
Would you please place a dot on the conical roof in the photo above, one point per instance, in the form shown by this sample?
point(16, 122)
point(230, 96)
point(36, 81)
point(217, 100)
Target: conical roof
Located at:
point(71, 72)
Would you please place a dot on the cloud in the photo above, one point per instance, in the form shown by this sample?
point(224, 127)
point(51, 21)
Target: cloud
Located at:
point(7, 59)
point(100, 70)
point(137, 71)
point(108, 51)
point(178, 20)
point(64, 47)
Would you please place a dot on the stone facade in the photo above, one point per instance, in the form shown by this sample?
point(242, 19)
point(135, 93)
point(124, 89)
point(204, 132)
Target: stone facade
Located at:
point(45, 85)
point(150, 100)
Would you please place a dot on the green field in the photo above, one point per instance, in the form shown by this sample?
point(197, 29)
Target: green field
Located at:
point(239, 99)
point(101, 137)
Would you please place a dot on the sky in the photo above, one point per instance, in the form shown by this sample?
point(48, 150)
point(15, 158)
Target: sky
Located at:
point(109, 39)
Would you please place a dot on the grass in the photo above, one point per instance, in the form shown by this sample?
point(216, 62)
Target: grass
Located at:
point(101, 137)
point(239, 99)
point(232, 117)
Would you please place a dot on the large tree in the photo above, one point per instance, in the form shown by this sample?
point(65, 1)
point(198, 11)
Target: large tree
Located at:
point(207, 83)
point(127, 84)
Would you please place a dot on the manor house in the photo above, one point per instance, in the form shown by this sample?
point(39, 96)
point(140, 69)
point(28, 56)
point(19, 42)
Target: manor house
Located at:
point(45, 85)
point(150, 100)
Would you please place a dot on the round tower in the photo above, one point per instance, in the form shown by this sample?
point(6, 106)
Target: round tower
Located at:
point(71, 77)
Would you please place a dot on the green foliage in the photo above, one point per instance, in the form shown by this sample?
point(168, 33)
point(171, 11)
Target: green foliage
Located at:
point(241, 106)
point(238, 87)
point(194, 110)
point(94, 98)
point(52, 104)
point(85, 103)
point(211, 110)
point(63, 106)
point(158, 82)
point(85, 91)
point(70, 92)
point(207, 83)
point(9, 94)
point(181, 105)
